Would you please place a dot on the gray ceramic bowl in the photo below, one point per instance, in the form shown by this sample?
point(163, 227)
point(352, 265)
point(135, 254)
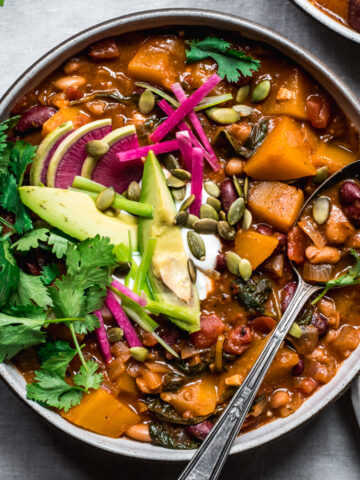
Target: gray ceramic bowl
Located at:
point(326, 20)
point(323, 75)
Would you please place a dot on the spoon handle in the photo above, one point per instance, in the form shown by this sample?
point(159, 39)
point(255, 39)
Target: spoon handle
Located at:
point(208, 461)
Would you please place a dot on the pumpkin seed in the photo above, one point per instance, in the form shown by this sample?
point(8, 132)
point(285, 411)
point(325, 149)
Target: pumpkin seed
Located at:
point(133, 191)
point(205, 226)
point(115, 334)
point(222, 215)
point(242, 93)
point(246, 189)
point(180, 173)
point(321, 210)
point(196, 245)
point(122, 269)
point(212, 189)
point(124, 193)
point(322, 174)
point(233, 262)
point(236, 211)
point(178, 194)
point(207, 211)
point(105, 198)
point(146, 102)
point(261, 91)
point(191, 220)
point(247, 220)
point(174, 182)
point(187, 203)
point(181, 218)
point(112, 212)
point(192, 270)
point(237, 186)
point(96, 148)
point(245, 269)
point(295, 331)
point(223, 116)
point(214, 202)
point(243, 110)
point(226, 231)
point(171, 162)
point(139, 353)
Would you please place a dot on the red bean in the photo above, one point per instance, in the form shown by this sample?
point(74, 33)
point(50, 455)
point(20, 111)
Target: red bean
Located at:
point(321, 323)
point(201, 430)
point(296, 242)
point(265, 229)
point(227, 193)
point(34, 118)
point(220, 262)
point(211, 327)
point(73, 93)
point(171, 336)
point(353, 211)
point(349, 193)
point(299, 368)
point(263, 324)
point(104, 50)
point(238, 340)
point(287, 294)
point(354, 14)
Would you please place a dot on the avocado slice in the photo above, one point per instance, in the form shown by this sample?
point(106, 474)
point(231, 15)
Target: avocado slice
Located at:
point(168, 275)
point(76, 214)
point(45, 151)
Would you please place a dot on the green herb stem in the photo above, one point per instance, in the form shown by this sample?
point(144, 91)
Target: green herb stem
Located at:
point(181, 313)
point(63, 320)
point(144, 266)
point(77, 346)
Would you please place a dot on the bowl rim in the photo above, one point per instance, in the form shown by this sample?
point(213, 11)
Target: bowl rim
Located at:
point(248, 29)
point(328, 21)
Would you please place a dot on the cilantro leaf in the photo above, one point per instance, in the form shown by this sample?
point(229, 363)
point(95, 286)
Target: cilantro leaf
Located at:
point(22, 155)
point(88, 378)
point(31, 240)
point(59, 244)
point(10, 201)
point(56, 356)
point(28, 311)
point(4, 127)
point(49, 273)
point(31, 288)
point(232, 64)
point(9, 273)
point(90, 323)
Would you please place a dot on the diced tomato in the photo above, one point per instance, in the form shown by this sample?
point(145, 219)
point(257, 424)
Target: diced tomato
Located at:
point(318, 111)
point(73, 93)
point(238, 340)
point(211, 328)
point(263, 324)
point(296, 245)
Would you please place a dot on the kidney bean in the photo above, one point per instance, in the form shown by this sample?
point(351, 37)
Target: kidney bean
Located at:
point(299, 368)
point(263, 324)
point(296, 242)
point(287, 294)
point(353, 211)
point(238, 340)
point(227, 194)
point(171, 336)
point(201, 430)
point(354, 14)
point(34, 118)
point(211, 328)
point(349, 193)
point(265, 229)
point(318, 110)
point(220, 262)
point(104, 50)
point(321, 323)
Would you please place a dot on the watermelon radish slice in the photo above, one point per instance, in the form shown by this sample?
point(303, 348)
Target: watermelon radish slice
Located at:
point(45, 151)
point(70, 155)
point(108, 170)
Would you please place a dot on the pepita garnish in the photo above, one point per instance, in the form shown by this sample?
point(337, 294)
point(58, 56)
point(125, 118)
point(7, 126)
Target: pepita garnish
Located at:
point(105, 199)
point(207, 211)
point(115, 334)
point(247, 220)
point(171, 162)
point(214, 202)
point(146, 102)
point(205, 226)
point(134, 191)
point(226, 231)
point(246, 189)
point(261, 91)
point(181, 173)
point(181, 218)
point(233, 262)
point(245, 269)
point(242, 93)
point(178, 194)
point(223, 116)
point(321, 210)
point(174, 182)
point(191, 220)
point(321, 175)
point(192, 270)
point(237, 186)
point(196, 245)
point(122, 269)
point(243, 110)
point(96, 148)
point(236, 211)
point(212, 189)
point(222, 215)
point(187, 203)
point(112, 212)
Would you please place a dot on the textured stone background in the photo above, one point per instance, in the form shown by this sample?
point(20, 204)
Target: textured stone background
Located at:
point(329, 446)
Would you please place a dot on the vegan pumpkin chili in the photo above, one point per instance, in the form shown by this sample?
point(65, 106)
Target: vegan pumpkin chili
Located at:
point(346, 12)
point(243, 136)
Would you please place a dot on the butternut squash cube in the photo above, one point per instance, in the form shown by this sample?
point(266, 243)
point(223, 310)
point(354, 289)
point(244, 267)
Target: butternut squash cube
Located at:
point(158, 61)
point(65, 114)
point(102, 413)
point(254, 246)
point(285, 153)
point(276, 203)
point(333, 157)
point(282, 364)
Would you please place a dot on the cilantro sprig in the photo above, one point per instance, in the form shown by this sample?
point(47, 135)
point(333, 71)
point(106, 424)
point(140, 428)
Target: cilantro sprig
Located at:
point(232, 64)
point(351, 277)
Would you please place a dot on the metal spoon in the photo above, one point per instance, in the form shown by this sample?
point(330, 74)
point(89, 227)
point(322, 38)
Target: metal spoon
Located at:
point(209, 460)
